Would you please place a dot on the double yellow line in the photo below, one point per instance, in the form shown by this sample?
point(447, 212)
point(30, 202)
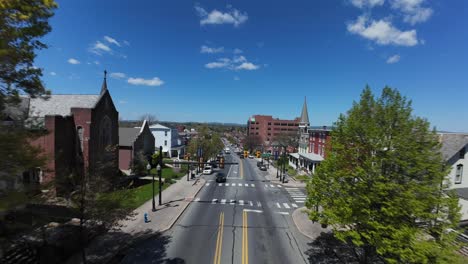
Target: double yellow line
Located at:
point(245, 239)
point(219, 240)
point(241, 169)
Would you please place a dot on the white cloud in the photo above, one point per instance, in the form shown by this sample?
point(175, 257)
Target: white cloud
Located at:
point(73, 61)
point(367, 3)
point(247, 66)
point(112, 40)
point(206, 49)
point(393, 59)
point(237, 51)
point(218, 64)
point(126, 42)
point(239, 59)
point(412, 10)
point(53, 73)
point(99, 47)
point(147, 82)
point(215, 17)
point(118, 75)
point(382, 32)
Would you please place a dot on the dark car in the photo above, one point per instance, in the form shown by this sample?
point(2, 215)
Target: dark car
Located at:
point(241, 156)
point(220, 177)
point(214, 165)
point(263, 167)
point(259, 163)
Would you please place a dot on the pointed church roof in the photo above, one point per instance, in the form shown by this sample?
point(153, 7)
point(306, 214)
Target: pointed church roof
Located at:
point(104, 83)
point(304, 114)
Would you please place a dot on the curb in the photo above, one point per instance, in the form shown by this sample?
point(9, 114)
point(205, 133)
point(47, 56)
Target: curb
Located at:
point(202, 181)
point(297, 226)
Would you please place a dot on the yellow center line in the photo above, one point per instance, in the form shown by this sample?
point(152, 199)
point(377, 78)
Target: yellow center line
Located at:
point(241, 169)
point(219, 240)
point(245, 239)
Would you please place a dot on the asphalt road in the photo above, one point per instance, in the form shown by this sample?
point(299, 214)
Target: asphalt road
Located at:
point(245, 220)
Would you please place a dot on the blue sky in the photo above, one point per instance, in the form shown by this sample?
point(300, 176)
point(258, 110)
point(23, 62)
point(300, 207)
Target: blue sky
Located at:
point(227, 60)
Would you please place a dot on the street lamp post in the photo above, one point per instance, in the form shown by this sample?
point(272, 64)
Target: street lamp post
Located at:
point(148, 167)
point(160, 174)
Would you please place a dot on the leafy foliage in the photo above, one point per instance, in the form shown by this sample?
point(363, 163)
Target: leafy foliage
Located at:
point(210, 143)
point(382, 187)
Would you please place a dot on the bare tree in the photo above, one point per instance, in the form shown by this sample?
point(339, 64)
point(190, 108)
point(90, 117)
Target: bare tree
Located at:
point(252, 141)
point(150, 118)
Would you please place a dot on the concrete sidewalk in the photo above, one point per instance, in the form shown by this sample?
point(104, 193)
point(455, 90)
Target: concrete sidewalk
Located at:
point(271, 176)
point(306, 226)
point(175, 200)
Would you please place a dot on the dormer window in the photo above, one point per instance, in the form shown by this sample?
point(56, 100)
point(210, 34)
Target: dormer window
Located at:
point(459, 174)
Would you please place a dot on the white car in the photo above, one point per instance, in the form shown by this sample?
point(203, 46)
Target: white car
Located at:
point(207, 169)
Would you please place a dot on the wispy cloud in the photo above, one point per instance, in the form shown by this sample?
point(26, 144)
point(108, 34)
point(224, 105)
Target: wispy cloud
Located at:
point(382, 32)
point(393, 59)
point(215, 17)
point(53, 73)
point(237, 51)
point(99, 48)
point(367, 3)
point(73, 61)
point(112, 40)
point(118, 75)
point(155, 81)
point(236, 63)
point(211, 50)
point(413, 11)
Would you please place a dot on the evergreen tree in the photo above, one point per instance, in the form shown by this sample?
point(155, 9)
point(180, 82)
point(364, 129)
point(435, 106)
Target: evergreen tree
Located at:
point(383, 186)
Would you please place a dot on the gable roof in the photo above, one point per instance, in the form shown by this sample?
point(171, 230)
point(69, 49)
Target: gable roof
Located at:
point(127, 136)
point(159, 126)
point(452, 143)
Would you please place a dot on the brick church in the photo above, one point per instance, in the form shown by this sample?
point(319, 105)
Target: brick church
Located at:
point(80, 132)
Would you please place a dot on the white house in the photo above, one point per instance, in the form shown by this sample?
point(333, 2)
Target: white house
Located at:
point(454, 147)
point(169, 139)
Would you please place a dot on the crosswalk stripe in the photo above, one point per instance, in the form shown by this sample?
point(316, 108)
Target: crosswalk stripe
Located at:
point(250, 203)
point(252, 185)
point(239, 184)
point(300, 201)
point(271, 185)
point(241, 202)
point(299, 198)
point(207, 184)
point(214, 201)
point(227, 184)
point(279, 186)
point(259, 204)
point(232, 201)
point(286, 205)
point(246, 185)
point(197, 199)
point(294, 205)
point(220, 184)
point(223, 201)
point(278, 205)
point(292, 188)
point(283, 213)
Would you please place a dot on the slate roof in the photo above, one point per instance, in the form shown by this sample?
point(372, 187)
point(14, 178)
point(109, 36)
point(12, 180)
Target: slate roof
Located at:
point(127, 136)
point(304, 115)
point(452, 143)
point(462, 193)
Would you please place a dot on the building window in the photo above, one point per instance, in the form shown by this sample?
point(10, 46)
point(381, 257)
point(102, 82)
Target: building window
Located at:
point(165, 133)
point(165, 142)
point(80, 131)
point(459, 174)
point(462, 153)
point(269, 123)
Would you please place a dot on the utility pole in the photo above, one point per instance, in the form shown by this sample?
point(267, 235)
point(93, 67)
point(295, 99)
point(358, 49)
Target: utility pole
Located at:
point(160, 174)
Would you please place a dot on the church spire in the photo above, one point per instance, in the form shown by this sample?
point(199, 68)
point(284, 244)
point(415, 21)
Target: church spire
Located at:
point(104, 83)
point(304, 115)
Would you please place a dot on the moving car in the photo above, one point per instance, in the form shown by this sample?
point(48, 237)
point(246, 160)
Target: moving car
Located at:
point(262, 167)
point(241, 156)
point(251, 156)
point(220, 177)
point(259, 163)
point(207, 169)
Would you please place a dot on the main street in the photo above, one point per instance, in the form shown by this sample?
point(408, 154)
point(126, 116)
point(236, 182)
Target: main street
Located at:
point(245, 220)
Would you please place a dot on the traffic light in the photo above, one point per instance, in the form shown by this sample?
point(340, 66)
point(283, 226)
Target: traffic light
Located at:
point(221, 163)
point(246, 153)
point(258, 153)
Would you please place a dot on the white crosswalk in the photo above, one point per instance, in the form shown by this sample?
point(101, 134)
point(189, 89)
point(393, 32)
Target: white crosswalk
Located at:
point(297, 195)
point(233, 184)
point(247, 203)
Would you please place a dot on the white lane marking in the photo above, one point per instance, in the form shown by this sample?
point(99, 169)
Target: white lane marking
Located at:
point(292, 188)
point(272, 186)
point(254, 211)
point(294, 205)
point(227, 184)
point(259, 204)
point(220, 184)
point(223, 201)
point(266, 185)
point(286, 205)
point(235, 172)
point(300, 201)
point(207, 184)
point(214, 201)
point(197, 199)
point(283, 213)
point(278, 205)
point(232, 201)
point(252, 185)
point(241, 202)
point(246, 185)
point(279, 186)
point(298, 196)
point(250, 202)
point(239, 184)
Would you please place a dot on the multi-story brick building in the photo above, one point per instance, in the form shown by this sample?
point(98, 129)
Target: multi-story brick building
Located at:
point(267, 128)
point(319, 140)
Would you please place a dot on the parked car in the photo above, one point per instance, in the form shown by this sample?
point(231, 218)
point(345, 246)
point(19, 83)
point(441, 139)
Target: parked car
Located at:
point(263, 167)
point(207, 169)
point(251, 156)
point(220, 177)
point(259, 163)
point(241, 156)
point(213, 164)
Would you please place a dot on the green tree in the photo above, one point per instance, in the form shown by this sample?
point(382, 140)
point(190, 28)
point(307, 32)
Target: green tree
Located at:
point(382, 188)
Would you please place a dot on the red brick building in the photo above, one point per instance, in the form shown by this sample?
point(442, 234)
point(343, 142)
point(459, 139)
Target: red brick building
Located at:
point(133, 141)
point(319, 140)
point(267, 128)
point(80, 131)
